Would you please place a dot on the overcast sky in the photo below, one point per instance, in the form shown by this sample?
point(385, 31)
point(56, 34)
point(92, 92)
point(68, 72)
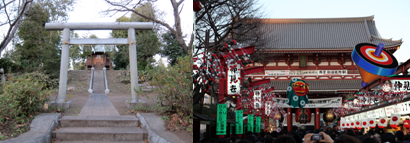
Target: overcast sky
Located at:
point(392, 17)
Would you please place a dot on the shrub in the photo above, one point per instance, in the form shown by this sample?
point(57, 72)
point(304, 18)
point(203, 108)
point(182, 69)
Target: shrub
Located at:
point(23, 96)
point(173, 86)
point(7, 65)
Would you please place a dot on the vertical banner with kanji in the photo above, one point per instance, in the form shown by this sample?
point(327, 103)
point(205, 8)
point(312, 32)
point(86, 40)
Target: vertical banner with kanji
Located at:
point(239, 120)
point(250, 122)
point(221, 119)
point(233, 82)
point(258, 124)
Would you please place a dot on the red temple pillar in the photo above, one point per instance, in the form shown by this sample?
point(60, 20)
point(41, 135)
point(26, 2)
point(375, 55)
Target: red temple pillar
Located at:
point(289, 118)
point(317, 118)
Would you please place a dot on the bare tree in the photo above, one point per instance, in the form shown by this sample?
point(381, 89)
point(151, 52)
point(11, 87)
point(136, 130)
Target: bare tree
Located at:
point(130, 5)
point(217, 23)
point(12, 11)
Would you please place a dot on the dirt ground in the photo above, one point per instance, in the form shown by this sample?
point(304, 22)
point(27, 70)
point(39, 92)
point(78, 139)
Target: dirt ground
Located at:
point(79, 82)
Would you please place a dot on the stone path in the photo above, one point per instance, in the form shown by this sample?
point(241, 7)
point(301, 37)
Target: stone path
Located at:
point(98, 82)
point(99, 104)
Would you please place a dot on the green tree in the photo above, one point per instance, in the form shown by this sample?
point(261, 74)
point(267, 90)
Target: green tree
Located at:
point(171, 48)
point(40, 50)
point(147, 42)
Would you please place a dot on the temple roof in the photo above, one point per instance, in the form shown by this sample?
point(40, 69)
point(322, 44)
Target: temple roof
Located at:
point(322, 33)
point(320, 86)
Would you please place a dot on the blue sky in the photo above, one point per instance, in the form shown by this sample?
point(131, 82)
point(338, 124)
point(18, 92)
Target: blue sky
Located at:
point(392, 17)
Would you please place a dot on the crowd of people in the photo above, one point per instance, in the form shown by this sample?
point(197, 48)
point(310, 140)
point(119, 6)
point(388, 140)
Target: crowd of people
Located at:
point(328, 136)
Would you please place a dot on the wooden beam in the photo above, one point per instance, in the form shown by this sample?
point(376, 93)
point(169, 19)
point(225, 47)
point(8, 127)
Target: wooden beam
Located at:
point(253, 70)
point(259, 82)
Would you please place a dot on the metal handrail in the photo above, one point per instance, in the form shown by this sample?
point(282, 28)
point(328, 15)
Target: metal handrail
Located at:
point(105, 78)
point(91, 81)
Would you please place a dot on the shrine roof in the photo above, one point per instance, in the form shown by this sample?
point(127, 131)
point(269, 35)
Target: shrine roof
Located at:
point(320, 86)
point(322, 33)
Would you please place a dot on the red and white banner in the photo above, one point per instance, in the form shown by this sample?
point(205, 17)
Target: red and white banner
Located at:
point(382, 122)
point(358, 124)
point(365, 123)
point(394, 121)
point(372, 122)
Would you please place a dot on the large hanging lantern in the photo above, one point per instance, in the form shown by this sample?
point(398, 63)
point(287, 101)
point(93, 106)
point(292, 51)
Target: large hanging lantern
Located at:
point(328, 117)
point(406, 123)
point(394, 121)
point(303, 115)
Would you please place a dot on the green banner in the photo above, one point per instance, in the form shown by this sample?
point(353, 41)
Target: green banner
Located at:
point(239, 119)
point(258, 124)
point(221, 119)
point(250, 122)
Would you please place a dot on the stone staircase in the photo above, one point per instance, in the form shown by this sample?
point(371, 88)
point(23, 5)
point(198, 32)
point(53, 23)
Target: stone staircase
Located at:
point(98, 82)
point(92, 129)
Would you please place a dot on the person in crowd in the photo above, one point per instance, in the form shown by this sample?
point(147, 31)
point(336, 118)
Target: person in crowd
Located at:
point(274, 135)
point(388, 137)
point(269, 139)
point(399, 136)
point(350, 132)
point(233, 139)
point(223, 140)
point(284, 139)
point(369, 140)
point(326, 138)
point(377, 137)
point(406, 139)
point(346, 139)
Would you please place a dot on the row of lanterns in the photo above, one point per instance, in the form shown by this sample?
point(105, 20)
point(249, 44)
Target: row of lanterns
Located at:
point(371, 122)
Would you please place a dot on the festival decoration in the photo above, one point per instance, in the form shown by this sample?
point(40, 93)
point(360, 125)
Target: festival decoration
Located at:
point(303, 115)
point(297, 93)
point(406, 124)
point(394, 120)
point(358, 125)
point(372, 123)
point(365, 123)
point(382, 122)
point(352, 125)
point(328, 117)
point(373, 62)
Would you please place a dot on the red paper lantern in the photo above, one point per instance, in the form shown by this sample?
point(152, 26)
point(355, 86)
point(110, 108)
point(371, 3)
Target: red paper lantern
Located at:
point(406, 123)
point(394, 120)
point(359, 127)
point(382, 121)
point(371, 123)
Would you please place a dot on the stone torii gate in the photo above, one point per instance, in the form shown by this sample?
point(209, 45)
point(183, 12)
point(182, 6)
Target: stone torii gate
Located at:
point(131, 41)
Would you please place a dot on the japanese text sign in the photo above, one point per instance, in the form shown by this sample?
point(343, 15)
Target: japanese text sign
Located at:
point(239, 120)
point(250, 122)
point(257, 99)
point(258, 124)
point(234, 83)
point(221, 119)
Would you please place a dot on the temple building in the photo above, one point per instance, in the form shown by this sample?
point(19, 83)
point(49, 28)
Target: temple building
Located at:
point(318, 51)
point(100, 58)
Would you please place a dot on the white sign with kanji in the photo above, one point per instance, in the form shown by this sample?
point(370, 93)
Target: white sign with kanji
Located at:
point(268, 107)
point(234, 84)
point(400, 85)
point(257, 99)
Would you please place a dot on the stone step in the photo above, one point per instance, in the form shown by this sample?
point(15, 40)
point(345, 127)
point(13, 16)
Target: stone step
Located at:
point(100, 134)
point(99, 121)
point(99, 142)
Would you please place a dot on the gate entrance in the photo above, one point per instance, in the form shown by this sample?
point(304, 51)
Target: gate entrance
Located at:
point(131, 41)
